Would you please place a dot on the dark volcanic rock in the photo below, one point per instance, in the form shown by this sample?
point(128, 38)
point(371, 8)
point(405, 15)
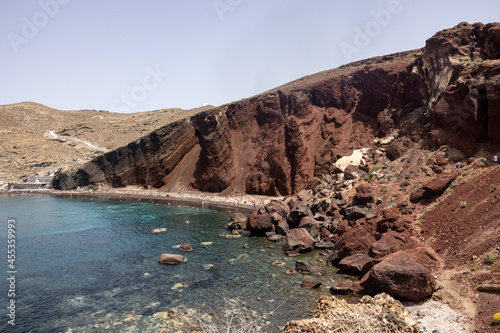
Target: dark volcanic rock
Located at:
point(401, 277)
point(277, 207)
point(281, 227)
point(438, 185)
point(358, 212)
point(365, 193)
point(259, 224)
point(312, 226)
point(299, 240)
point(355, 240)
point(353, 172)
point(299, 211)
point(356, 264)
point(306, 268)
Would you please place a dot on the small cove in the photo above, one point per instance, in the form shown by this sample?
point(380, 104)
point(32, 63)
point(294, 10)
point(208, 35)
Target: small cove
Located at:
point(92, 265)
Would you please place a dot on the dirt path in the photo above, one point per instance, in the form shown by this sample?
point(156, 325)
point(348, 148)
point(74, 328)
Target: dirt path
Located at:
point(53, 135)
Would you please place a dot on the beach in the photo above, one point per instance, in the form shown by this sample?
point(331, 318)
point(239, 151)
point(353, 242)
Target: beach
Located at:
point(135, 193)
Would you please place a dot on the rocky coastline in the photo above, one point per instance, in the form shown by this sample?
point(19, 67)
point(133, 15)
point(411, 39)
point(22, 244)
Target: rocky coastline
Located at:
point(388, 166)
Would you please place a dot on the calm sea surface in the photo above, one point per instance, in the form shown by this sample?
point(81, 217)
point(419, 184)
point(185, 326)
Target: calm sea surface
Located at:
point(92, 266)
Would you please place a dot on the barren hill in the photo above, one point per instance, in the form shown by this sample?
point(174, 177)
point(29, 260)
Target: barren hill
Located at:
point(36, 139)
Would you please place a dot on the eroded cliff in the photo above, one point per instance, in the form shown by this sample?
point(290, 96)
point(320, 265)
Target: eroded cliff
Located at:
point(145, 161)
point(275, 142)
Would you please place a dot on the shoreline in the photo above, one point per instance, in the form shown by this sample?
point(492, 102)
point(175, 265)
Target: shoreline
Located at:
point(419, 310)
point(247, 203)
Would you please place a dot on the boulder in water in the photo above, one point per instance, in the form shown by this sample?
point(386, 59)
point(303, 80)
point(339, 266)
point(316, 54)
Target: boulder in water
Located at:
point(185, 247)
point(171, 259)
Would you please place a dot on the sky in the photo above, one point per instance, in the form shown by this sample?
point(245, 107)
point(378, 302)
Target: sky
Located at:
point(130, 56)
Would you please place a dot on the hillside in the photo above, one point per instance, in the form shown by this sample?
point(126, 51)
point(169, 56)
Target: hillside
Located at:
point(37, 139)
point(443, 94)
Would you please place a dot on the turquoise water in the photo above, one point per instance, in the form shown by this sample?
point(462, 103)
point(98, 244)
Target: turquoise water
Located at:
point(92, 266)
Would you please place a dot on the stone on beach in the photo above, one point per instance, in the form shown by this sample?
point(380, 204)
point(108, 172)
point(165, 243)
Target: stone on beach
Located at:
point(401, 277)
point(299, 240)
point(356, 264)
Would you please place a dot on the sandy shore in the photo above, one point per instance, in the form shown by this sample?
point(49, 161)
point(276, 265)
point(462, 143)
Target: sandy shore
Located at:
point(207, 200)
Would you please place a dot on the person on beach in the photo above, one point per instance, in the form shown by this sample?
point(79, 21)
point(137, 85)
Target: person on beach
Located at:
point(495, 159)
point(458, 165)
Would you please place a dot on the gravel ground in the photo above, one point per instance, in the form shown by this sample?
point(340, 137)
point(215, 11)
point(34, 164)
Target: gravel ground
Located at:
point(435, 317)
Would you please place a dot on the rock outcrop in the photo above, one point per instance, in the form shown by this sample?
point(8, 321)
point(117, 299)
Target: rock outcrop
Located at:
point(378, 314)
point(400, 276)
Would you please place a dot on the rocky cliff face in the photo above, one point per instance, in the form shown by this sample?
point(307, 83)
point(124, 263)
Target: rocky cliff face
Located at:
point(274, 143)
point(145, 161)
point(462, 67)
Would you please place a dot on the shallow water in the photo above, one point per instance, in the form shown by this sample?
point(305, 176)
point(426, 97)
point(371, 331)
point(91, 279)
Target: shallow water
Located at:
point(92, 266)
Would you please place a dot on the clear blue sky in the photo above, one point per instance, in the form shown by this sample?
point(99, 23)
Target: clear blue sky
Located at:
point(144, 55)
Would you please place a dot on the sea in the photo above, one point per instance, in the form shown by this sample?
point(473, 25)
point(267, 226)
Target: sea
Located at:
point(91, 265)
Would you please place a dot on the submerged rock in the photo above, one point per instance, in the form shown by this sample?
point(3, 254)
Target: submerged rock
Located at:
point(306, 268)
point(238, 221)
point(310, 282)
point(356, 264)
point(185, 247)
point(171, 259)
point(208, 266)
point(343, 288)
point(178, 286)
